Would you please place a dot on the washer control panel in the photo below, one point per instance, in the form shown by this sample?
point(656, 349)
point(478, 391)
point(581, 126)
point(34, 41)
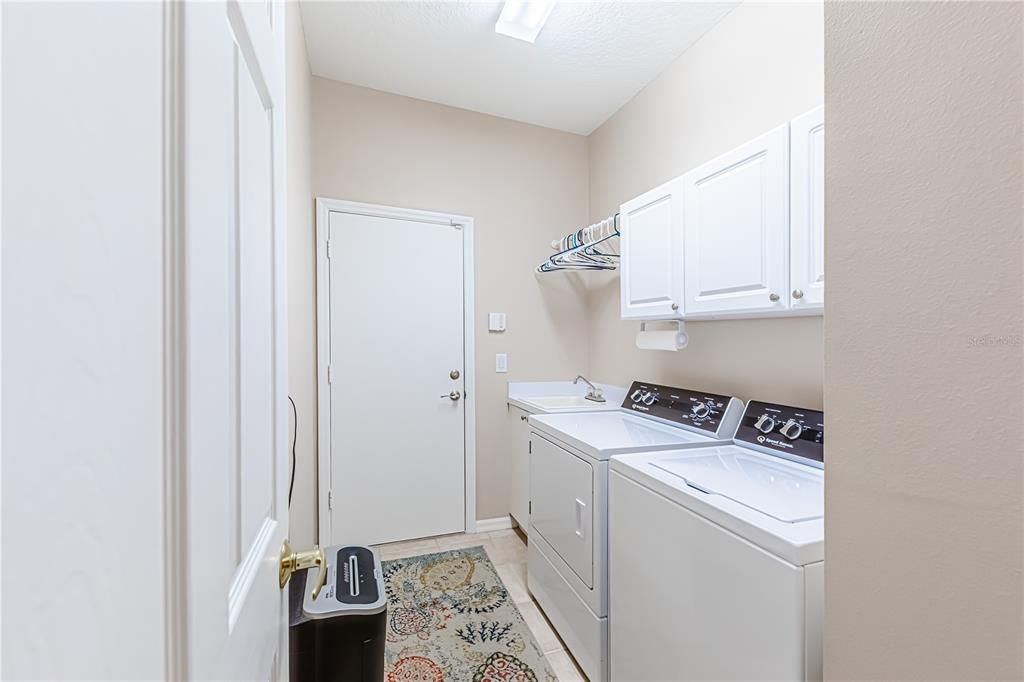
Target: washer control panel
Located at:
point(793, 432)
point(710, 413)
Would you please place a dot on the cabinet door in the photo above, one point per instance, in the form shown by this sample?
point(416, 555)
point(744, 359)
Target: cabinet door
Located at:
point(807, 207)
point(520, 431)
point(736, 250)
point(651, 283)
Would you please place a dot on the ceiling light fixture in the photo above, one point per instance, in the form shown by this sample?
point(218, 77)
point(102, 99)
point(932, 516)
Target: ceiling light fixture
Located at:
point(523, 20)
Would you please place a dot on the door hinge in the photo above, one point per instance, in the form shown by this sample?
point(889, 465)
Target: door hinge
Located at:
point(530, 451)
point(330, 499)
point(330, 374)
point(529, 506)
point(328, 248)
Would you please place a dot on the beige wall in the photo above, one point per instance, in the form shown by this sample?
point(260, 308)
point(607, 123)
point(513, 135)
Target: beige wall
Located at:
point(761, 66)
point(522, 184)
point(301, 280)
point(923, 386)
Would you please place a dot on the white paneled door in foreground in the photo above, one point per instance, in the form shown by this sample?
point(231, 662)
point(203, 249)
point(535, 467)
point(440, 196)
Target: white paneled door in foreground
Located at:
point(396, 381)
point(235, 483)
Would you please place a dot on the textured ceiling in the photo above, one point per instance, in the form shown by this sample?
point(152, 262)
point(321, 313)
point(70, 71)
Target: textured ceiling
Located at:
point(589, 60)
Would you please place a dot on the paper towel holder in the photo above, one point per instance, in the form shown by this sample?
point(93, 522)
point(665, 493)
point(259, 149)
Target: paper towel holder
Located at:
point(682, 338)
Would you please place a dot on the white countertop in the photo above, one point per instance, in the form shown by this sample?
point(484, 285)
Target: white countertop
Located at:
point(520, 393)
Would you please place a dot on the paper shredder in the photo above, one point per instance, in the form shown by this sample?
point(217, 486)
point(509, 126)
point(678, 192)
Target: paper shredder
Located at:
point(340, 634)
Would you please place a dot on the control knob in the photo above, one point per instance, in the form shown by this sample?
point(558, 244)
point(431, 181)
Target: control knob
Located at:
point(764, 423)
point(649, 399)
point(636, 395)
point(792, 429)
point(700, 410)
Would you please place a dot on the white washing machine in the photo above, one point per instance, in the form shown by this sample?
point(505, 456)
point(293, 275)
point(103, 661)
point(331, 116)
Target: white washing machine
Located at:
point(568, 549)
point(717, 556)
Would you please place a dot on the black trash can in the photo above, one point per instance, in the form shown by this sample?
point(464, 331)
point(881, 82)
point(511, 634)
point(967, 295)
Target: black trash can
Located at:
point(339, 636)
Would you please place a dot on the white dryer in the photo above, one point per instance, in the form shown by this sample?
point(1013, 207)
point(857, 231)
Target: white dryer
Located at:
point(717, 556)
point(568, 548)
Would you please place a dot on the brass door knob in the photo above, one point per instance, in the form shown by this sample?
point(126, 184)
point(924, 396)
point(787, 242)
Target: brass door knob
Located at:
point(299, 561)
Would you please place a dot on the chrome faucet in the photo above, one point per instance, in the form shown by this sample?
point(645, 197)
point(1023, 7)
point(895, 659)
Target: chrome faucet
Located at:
point(594, 393)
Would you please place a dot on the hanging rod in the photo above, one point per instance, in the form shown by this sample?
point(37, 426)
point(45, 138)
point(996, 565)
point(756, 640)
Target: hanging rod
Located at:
point(589, 248)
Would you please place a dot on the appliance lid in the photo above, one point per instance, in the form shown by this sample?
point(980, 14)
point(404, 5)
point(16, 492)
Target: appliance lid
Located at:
point(608, 433)
point(790, 493)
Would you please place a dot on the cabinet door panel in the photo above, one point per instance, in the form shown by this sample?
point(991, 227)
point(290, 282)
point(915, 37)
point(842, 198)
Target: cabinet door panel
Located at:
point(807, 225)
point(520, 432)
point(651, 283)
point(736, 247)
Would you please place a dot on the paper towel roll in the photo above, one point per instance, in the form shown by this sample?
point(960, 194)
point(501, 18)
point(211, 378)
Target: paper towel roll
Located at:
point(661, 340)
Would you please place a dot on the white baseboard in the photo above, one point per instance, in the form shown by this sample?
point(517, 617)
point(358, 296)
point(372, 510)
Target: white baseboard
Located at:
point(498, 523)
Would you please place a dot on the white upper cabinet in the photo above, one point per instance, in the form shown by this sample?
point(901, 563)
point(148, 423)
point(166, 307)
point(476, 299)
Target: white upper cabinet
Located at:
point(651, 226)
point(736, 250)
point(807, 207)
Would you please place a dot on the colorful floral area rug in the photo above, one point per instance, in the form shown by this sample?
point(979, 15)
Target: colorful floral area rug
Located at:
point(451, 619)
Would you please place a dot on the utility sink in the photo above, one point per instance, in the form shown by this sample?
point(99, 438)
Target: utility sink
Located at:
point(565, 402)
point(553, 397)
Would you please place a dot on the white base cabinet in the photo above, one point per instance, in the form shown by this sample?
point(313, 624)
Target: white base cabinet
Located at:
point(520, 434)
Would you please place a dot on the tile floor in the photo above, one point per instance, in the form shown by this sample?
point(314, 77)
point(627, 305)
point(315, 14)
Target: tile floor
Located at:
point(507, 551)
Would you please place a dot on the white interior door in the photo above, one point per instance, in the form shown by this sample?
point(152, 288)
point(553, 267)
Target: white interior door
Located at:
point(807, 207)
point(237, 462)
point(397, 415)
point(736, 229)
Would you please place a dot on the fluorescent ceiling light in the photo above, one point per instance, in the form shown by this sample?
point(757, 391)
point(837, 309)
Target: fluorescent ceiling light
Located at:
point(523, 20)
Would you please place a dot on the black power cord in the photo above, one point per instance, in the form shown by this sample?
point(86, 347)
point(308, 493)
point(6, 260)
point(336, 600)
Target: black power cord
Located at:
point(295, 438)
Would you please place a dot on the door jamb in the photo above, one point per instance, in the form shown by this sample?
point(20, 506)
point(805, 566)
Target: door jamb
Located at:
point(324, 206)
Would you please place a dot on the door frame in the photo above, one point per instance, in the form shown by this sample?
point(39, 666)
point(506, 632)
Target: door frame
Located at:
point(324, 207)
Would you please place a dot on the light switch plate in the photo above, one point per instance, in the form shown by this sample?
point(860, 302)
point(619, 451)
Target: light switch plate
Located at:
point(501, 363)
point(496, 322)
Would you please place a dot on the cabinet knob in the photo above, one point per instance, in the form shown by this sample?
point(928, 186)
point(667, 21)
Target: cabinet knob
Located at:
point(522, 418)
point(773, 297)
point(797, 293)
point(675, 306)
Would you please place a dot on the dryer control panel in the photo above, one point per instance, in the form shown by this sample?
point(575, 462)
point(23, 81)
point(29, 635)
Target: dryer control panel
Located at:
point(791, 432)
point(710, 413)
